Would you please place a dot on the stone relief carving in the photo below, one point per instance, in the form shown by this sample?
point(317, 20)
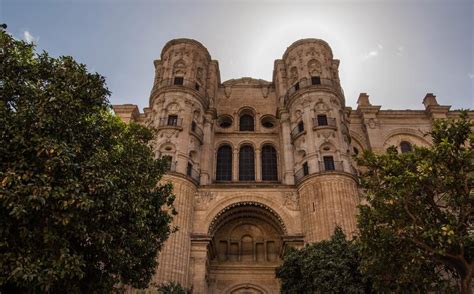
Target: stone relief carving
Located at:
point(265, 91)
point(203, 199)
point(227, 91)
point(291, 200)
point(372, 123)
point(293, 74)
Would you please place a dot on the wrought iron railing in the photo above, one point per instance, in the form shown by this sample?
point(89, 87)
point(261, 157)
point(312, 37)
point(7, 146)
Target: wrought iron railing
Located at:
point(197, 131)
point(193, 173)
point(306, 83)
point(189, 84)
point(321, 123)
point(324, 167)
point(170, 122)
point(299, 129)
point(329, 166)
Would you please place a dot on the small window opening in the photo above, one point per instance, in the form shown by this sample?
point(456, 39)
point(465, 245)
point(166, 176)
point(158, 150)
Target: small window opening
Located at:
point(405, 147)
point(167, 160)
point(297, 86)
point(300, 127)
point(356, 151)
point(189, 169)
point(172, 120)
point(305, 169)
point(197, 86)
point(322, 120)
point(178, 80)
point(315, 81)
point(193, 126)
point(328, 163)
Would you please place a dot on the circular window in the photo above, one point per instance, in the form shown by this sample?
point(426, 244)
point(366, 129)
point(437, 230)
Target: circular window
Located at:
point(224, 121)
point(268, 121)
point(168, 148)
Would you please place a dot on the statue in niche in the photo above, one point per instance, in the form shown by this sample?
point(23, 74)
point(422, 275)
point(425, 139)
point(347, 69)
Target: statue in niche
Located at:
point(293, 74)
point(199, 74)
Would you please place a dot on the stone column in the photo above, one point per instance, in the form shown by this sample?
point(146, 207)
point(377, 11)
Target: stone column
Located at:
point(199, 260)
point(235, 165)
point(287, 148)
point(310, 145)
point(206, 154)
point(173, 260)
point(258, 165)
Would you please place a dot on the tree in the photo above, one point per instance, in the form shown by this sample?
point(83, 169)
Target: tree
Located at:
point(416, 228)
point(80, 208)
point(329, 266)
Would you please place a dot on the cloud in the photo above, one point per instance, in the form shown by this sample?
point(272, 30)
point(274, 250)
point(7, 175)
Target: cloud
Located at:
point(400, 50)
point(28, 37)
point(373, 53)
point(470, 75)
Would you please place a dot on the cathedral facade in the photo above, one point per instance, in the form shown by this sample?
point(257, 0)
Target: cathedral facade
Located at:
point(261, 166)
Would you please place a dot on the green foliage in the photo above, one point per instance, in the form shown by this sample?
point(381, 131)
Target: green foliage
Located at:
point(80, 209)
point(171, 288)
point(330, 266)
point(416, 229)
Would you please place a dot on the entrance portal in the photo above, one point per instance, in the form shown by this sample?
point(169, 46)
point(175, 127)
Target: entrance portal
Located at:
point(245, 249)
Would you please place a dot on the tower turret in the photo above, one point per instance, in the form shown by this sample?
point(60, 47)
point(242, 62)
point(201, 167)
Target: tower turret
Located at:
point(182, 97)
point(313, 102)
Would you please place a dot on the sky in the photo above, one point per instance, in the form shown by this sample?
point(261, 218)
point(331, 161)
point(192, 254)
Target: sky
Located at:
point(395, 51)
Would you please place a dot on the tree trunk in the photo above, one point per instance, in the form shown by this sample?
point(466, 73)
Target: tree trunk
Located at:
point(466, 281)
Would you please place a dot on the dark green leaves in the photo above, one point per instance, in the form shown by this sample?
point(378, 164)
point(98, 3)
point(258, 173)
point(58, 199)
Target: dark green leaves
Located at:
point(80, 209)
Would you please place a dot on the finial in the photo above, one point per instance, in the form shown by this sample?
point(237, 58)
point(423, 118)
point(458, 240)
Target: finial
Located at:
point(363, 100)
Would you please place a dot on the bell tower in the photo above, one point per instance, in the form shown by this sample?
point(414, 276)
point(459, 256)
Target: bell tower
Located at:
point(316, 138)
point(181, 109)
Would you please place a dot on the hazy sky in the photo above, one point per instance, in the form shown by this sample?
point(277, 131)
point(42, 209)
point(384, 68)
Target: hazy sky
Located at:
point(396, 51)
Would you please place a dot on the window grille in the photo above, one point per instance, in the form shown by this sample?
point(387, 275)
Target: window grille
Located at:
point(322, 120)
point(178, 80)
point(315, 80)
point(189, 169)
point(405, 147)
point(297, 86)
point(269, 163)
point(305, 169)
point(224, 163)
point(300, 127)
point(246, 123)
point(329, 163)
point(246, 164)
point(172, 120)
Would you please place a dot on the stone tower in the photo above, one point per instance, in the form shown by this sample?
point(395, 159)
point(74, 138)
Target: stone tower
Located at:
point(181, 104)
point(313, 113)
point(260, 166)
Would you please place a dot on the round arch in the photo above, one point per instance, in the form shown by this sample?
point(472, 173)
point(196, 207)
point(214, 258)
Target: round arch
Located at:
point(268, 213)
point(246, 288)
point(291, 225)
point(407, 132)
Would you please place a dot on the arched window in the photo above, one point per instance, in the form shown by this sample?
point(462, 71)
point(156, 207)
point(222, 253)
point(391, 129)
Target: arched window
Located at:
point(246, 123)
point(224, 163)
point(269, 163)
point(405, 147)
point(246, 164)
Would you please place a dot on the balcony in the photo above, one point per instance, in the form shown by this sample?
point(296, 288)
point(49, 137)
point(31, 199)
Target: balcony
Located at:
point(331, 166)
point(197, 132)
point(308, 83)
point(324, 123)
point(179, 83)
point(190, 171)
point(324, 167)
point(297, 131)
point(170, 122)
point(193, 173)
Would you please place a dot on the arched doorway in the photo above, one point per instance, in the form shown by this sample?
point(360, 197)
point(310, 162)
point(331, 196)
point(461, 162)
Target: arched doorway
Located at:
point(245, 249)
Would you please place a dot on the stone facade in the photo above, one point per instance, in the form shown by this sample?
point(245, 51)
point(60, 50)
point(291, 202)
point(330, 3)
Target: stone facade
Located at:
point(258, 166)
